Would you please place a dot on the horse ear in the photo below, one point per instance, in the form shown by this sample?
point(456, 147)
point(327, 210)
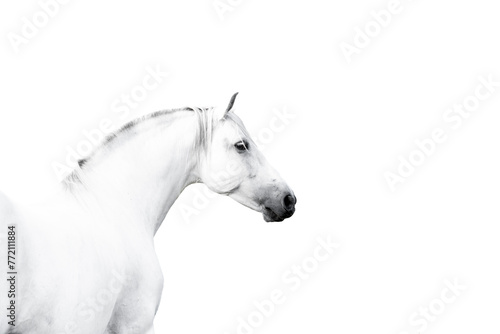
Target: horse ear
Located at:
point(231, 103)
point(228, 109)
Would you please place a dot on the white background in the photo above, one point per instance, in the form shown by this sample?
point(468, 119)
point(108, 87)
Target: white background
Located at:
point(352, 122)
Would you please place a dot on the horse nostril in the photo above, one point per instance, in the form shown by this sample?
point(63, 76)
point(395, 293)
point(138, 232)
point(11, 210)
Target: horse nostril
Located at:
point(289, 202)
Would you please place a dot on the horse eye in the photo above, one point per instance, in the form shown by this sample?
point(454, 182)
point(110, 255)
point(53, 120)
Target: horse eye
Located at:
point(241, 146)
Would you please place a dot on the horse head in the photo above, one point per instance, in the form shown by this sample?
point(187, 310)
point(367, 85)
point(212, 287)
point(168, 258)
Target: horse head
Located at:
point(232, 165)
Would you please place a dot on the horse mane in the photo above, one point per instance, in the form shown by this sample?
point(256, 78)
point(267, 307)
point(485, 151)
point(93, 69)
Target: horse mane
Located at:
point(206, 123)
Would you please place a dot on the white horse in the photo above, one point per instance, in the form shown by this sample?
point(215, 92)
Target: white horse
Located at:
point(86, 261)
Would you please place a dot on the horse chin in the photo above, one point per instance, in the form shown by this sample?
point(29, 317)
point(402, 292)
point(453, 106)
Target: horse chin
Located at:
point(271, 217)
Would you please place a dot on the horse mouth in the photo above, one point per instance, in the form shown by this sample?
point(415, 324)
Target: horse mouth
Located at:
point(270, 216)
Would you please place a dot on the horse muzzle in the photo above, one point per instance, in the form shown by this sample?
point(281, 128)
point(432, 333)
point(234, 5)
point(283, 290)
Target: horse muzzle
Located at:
point(280, 211)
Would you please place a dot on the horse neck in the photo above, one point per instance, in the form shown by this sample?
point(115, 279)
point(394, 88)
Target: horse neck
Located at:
point(138, 181)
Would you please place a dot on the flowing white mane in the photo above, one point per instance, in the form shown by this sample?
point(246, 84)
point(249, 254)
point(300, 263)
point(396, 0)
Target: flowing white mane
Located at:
point(206, 117)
